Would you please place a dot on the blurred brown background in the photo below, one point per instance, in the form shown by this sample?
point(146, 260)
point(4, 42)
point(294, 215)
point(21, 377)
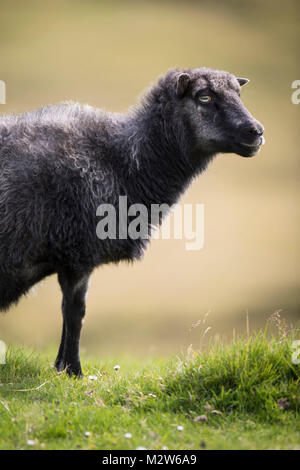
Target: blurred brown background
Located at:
point(105, 53)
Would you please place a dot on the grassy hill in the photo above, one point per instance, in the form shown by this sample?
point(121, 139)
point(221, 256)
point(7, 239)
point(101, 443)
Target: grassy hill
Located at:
point(242, 396)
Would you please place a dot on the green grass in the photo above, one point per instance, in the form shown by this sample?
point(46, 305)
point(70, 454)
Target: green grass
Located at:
point(252, 384)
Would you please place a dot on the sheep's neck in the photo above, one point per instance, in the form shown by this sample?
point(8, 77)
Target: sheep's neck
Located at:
point(161, 164)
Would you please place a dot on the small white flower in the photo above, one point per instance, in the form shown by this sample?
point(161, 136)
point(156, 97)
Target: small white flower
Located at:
point(30, 442)
point(141, 448)
point(93, 377)
point(87, 433)
point(165, 448)
point(128, 435)
point(117, 367)
point(180, 428)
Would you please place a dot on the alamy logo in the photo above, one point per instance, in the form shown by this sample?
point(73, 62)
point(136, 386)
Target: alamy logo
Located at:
point(2, 352)
point(2, 92)
point(296, 352)
point(296, 93)
point(137, 221)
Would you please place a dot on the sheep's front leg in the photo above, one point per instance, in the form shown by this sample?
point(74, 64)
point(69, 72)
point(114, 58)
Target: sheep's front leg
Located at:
point(74, 288)
point(59, 360)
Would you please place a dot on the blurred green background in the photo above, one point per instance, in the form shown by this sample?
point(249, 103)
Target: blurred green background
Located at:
point(105, 54)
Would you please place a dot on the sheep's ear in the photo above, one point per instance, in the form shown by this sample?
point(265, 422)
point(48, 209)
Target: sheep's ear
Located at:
point(183, 81)
point(243, 81)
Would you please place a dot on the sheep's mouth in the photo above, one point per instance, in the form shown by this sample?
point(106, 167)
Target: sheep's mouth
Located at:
point(249, 149)
point(254, 145)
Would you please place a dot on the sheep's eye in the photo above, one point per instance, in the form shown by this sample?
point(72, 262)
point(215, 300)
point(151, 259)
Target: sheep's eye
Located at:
point(205, 99)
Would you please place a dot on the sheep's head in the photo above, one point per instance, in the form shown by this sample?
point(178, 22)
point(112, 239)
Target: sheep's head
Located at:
point(209, 106)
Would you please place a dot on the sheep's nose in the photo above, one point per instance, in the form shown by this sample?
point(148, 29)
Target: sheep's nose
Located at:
point(255, 128)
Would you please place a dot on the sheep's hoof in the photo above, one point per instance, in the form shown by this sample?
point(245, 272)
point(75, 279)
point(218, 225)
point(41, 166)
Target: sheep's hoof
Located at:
point(73, 370)
point(59, 365)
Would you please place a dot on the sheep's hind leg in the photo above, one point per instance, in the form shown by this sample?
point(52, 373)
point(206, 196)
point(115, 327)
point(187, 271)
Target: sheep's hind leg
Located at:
point(74, 288)
point(11, 289)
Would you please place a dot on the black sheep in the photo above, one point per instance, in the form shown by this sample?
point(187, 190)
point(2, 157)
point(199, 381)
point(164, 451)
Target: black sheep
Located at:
point(59, 163)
